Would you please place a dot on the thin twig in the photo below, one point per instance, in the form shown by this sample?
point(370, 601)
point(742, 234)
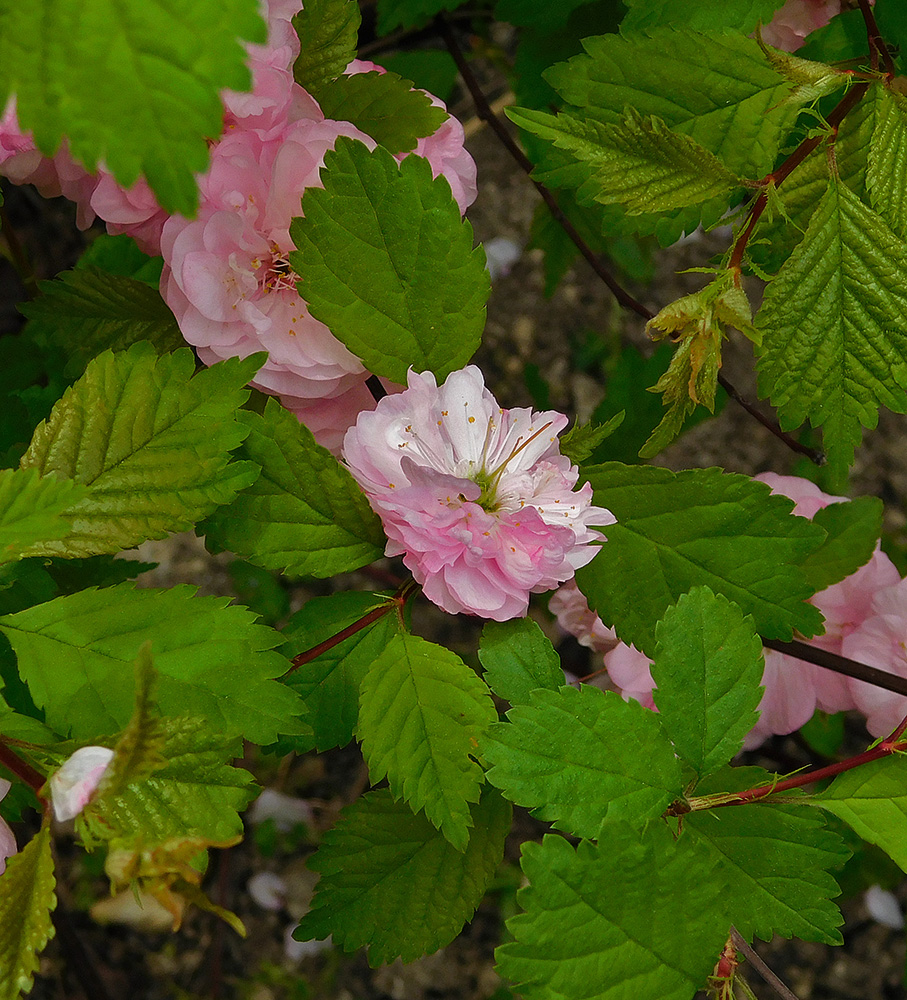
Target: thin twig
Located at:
point(624, 298)
point(840, 664)
point(877, 44)
point(759, 965)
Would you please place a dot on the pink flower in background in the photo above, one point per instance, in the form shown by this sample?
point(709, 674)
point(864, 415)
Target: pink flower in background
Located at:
point(477, 499)
point(8, 845)
point(227, 276)
point(75, 782)
point(865, 619)
point(796, 19)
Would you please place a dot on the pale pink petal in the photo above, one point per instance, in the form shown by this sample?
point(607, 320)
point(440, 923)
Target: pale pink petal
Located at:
point(75, 782)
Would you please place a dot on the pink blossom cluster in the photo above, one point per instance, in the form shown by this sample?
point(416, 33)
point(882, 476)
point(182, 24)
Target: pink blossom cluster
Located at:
point(477, 499)
point(226, 273)
point(796, 19)
point(865, 620)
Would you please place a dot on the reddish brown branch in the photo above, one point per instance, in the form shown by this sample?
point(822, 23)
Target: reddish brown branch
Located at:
point(877, 46)
point(17, 766)
point(394, 603)
point(760, 966)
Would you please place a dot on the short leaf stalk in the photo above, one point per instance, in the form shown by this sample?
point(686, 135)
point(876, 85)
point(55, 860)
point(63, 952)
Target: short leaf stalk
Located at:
point(895, 743)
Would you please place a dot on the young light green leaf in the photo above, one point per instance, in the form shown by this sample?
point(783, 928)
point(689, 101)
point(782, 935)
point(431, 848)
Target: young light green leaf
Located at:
point(137, 86)
point(637, 162)
point(212, 661)
point(886, 161)
point(422, 711)
point(304, 515)
point(582, 439)
point(708, 665)
point(153, 445)
point(573, 757)
point(834, 325)
point(698, 15)
point(392, 882)
point(138, 751)
point(602, 922)
point(872, 799)
point(328, 36)
point(774, 864)
point(735, 113)
point(329, 684)
point(853, 532)
point(675, 531)
point(198, 795)
point(384, 106)
point(518, 658)
point(30, 509)
point(388, 264)
point(87, 311)
point(27, 900)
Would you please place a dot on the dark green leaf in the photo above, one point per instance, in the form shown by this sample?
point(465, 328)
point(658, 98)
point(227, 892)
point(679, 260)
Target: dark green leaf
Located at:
point(384, 106)
point(675, 531)
point(707, 669)
point(87, 311)
point(638, 916)
point(328, 36)
point(392, 882)
point(518, 658)
point(388, 264)
point(422, 711)
point(853, 532)
point(573, 757)
point(304, 515)
point(329, 684)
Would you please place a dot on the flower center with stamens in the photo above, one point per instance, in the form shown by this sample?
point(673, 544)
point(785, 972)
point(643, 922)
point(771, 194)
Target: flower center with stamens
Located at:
point(278, 276)
point(488, 481)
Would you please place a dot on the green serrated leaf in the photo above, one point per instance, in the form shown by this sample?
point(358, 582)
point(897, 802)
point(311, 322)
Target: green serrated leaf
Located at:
point(872, 799)
point(328, 36)
point(572, 756)
point(675, 531)
point(197, 796)
point(87, 311)
point(27, 900)
point(518, 658)
point(329, 684)
point(388, 264)
point(603, 922)
point(774, 862)
point(304, 515)
point(137, 86)
point(887, 161)
point(698, 15)
point(422, 711)
point(30, 509)
point(391, 881)
point(583, 439)
point(853, 532)
point(153, 445)
point(408, 13)
point(708, 664)
point(834, 325)
point(384, 106)
point(721, 91)
point(212, 661)
point(638, 162)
